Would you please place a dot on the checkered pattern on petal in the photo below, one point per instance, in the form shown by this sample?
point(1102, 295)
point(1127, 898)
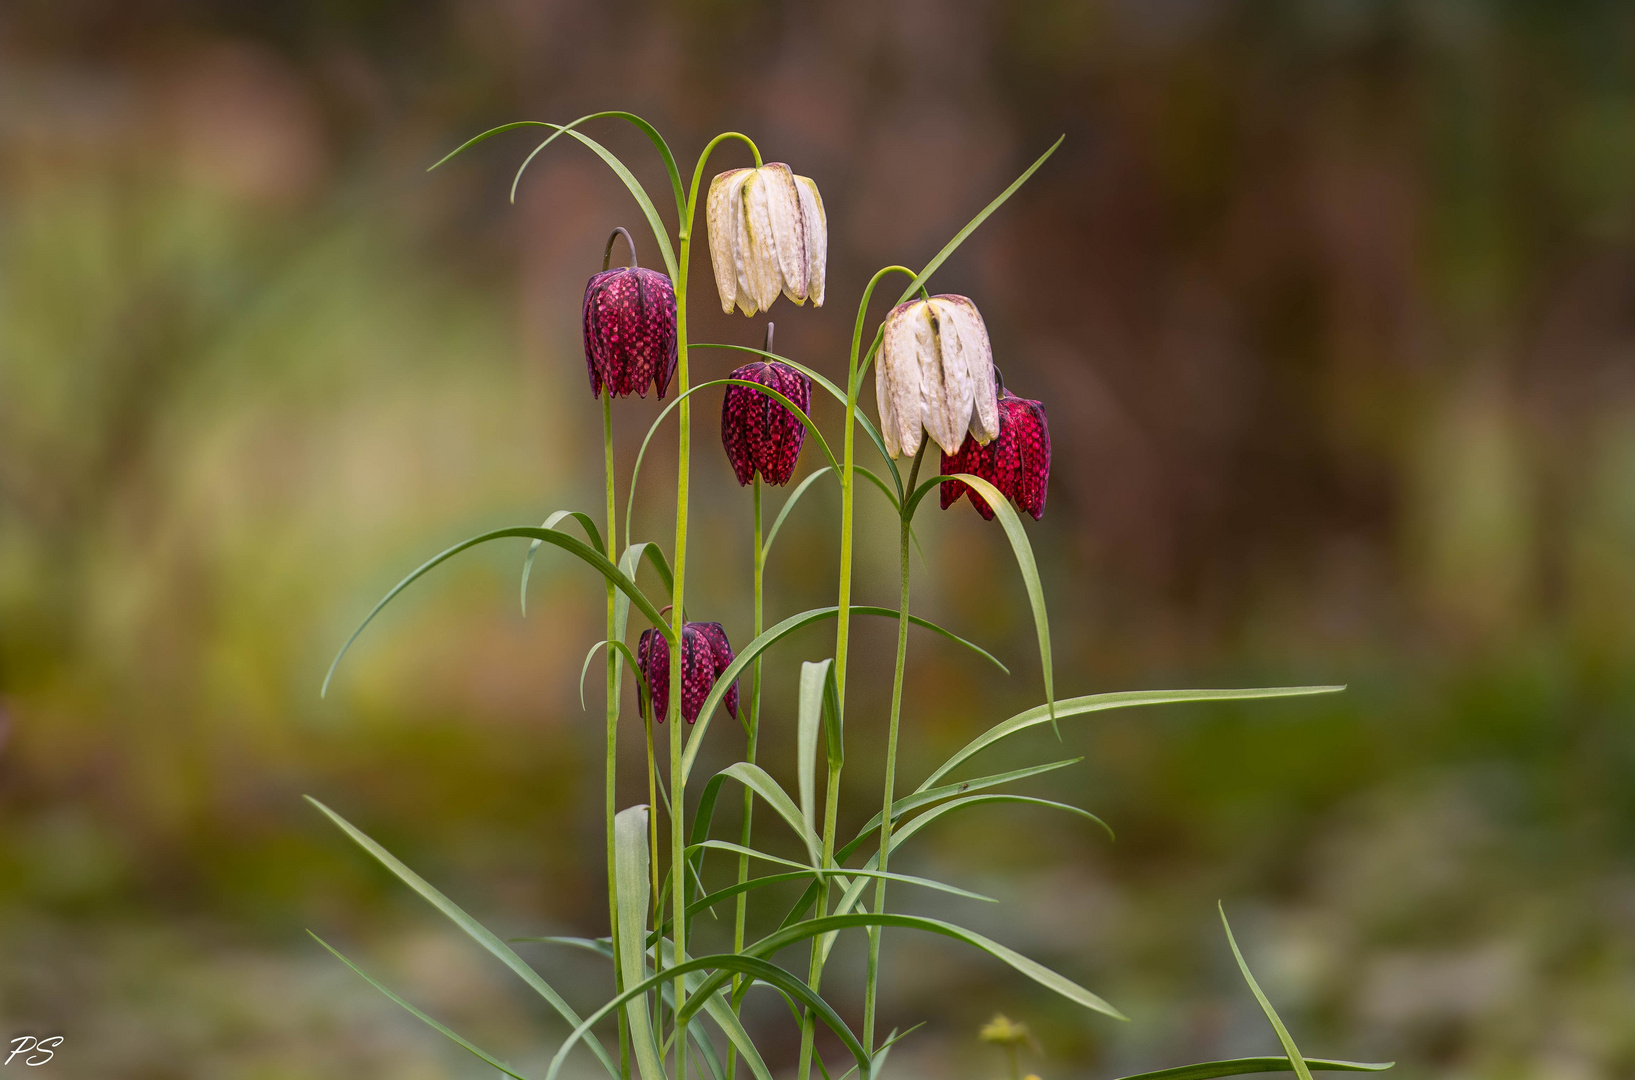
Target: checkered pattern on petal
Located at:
point(758, 433)
point(630, 331)
point(1017, 462)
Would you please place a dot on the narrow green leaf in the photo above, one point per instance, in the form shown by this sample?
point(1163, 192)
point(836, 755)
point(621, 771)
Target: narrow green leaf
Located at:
point(834, 391)
point(727, 964)
point(1296, 1062)
point(649, 211)
point(809, 928)
point(578, 548)
point(624, 651)
point(585, 521)
point(1077, 706)
point(475, 930)
point(924, 798)
point(629, 565)
point(756, 779)
point(788, 505)
point(630, 873)
point(809, 725)
point(1030, 577)
point(1207, 1070)
point(783, 629)
point(906, 879)
point(469, 1047)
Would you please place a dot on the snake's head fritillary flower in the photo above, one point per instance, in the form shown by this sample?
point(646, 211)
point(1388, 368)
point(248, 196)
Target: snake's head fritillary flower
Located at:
point(1017, 462)
point(768, 234)
point(630, 329)
point(760, 434)
point(934, 372)
point(705, 654)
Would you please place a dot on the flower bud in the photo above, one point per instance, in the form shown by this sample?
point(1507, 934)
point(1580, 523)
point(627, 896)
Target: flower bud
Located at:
point(761, 435)
point(1017, 462)
point(935, 371)
point(705, 654)
point(767, 233)
point(630, 330)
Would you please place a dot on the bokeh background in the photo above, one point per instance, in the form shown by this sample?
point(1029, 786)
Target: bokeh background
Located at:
point(1332, 306)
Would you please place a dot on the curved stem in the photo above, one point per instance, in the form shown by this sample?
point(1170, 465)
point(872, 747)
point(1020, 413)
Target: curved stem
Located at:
point(698, 176)
point(607, 256)
point(871, 990)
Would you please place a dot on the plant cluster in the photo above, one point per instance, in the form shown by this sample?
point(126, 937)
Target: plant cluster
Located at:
point(935, 381)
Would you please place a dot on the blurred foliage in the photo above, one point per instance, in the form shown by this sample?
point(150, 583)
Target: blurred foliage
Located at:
point(1330, 304)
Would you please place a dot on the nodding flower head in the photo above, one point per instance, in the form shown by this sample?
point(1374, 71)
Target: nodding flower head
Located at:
point(630, 328)
point(935, 371)
point(1017, 462)
point(705, 654)
point(760, 434)
point(768, 234)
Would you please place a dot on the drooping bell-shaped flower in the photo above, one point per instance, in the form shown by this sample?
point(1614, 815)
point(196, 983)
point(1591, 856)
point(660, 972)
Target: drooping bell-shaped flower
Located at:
point(630, 328)
point(705, 654)
point(760, 434)
point(934, 372)
point(1017, 461)
point(768, 234)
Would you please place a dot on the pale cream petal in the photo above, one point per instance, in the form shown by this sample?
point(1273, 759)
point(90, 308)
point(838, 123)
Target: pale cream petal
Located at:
point(897, 379)
point(788, 236)
point(940, 389)
point(816, 225)
point(742, 257)
point(720, 222)
point(977, 355)
point(761, 270)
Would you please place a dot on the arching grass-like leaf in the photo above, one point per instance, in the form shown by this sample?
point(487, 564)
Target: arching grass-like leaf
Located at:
point(585, 521)
point(788, 505)
point(959, 238)
point(578, 548)
point(909, 803)
point(834, 391)
point(809, 725)
point(809, 928)
point(1296, 1062)
point(782, 630)
point(475, 930)
point(739, 849)
point(624, 651)
point(464, 1044)
point(756, 779)
point(726, 964)
point(1208, 1070)
point(1030, 578)
point(652, 429)
point(1089, 703)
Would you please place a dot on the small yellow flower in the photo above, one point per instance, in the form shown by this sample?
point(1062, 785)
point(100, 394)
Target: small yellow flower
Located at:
point(1003, 1031)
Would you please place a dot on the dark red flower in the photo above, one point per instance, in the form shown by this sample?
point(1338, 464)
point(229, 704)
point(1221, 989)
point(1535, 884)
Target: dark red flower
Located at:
point(630, 331)
point(760, 434)
point(705, 654)
point(1017, 461)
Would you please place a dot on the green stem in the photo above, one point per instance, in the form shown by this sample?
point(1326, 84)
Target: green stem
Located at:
point(678, 793)
point(753, 707)
point(870, 993)
point(613, 720)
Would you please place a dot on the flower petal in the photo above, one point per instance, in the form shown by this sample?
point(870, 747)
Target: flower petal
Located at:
point(721, 220)
point(976, 353)
point(759, 271)
point(897, 377)
point(816, 225)
point(788, 235)
point(945, 385)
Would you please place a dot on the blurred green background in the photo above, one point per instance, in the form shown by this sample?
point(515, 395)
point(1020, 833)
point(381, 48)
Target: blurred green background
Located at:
point(1332, 305)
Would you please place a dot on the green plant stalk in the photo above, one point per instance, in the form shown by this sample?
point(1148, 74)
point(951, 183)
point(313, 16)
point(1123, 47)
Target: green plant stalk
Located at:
point(871, 989)
point(613, 722)
point(814, 976)
point(752, 737)
point(678, 794)
point(843, 602)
